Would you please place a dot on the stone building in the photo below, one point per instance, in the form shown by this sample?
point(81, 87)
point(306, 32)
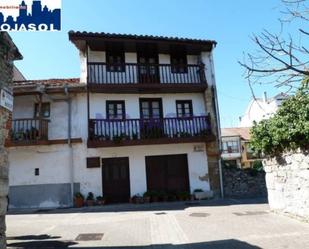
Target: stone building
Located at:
point(8, 53)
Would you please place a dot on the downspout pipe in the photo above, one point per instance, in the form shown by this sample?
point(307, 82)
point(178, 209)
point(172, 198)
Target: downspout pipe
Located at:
point(218, 123)
point(69, 102)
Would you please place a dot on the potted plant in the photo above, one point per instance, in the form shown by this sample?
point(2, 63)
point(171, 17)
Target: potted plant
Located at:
point(183, 196)
point(172, 197)
point(90, 199)
point(199, 194)
point(147, 196)
point(78, 200)
point(137, 199)
point(154, 196)
point(100, 200)
point(134, 136)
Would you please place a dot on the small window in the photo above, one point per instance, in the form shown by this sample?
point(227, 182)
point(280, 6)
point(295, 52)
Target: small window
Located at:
point(179, 63)
point(115, 61)
point(36, 171)
point(115, 110)
point(184, 108)
point(45, 110)
point(230, 147)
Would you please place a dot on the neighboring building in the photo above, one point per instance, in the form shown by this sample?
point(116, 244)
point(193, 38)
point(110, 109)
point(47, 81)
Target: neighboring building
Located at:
point(236, 147)
point(261, 108)
point(8, 53)
point(143, 116)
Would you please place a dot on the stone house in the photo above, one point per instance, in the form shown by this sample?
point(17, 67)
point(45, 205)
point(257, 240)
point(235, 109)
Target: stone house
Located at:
point(142, 116)
point(8, 53)
point(236, 149)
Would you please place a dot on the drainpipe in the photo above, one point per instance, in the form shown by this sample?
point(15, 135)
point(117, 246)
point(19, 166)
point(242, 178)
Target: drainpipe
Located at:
point(69, 101)
point(218, 122)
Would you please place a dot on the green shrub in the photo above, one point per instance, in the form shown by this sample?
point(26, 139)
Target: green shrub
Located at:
point(287, 130)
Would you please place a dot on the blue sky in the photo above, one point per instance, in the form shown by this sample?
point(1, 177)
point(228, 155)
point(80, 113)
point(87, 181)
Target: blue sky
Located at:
point(230, 23)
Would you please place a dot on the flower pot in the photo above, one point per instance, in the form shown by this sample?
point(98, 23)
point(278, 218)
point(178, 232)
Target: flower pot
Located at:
point(90, 203)
point(101, 202)
point(155, 199)
point(78, 202)
point(146, 199)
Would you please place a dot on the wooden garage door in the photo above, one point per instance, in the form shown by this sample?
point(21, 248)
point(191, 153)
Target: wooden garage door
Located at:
point(167, 173)
point(116, 179)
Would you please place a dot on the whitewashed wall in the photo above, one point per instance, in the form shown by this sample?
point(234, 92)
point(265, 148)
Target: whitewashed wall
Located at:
point(99, 74)
point(197, 165)
point(52, 161)
point(98, 103)
point(58, 125)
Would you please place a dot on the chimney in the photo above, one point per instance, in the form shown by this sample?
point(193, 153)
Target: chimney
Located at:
point(265, 97)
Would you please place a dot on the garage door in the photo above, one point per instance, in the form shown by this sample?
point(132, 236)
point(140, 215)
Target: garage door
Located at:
point(116, 179)
point(167, 173)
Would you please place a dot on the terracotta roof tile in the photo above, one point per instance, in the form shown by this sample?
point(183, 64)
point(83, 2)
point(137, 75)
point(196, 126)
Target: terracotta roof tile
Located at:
point(137, 37)
point(243, 132)
point(48, 82)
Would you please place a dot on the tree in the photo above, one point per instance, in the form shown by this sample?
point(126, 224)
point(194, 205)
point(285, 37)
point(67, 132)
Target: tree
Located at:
point(287, 130)
point(281, 59)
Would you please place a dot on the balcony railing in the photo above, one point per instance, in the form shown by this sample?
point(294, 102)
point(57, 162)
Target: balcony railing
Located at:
point(117, 131)
point(29, 130)
point(134, 73)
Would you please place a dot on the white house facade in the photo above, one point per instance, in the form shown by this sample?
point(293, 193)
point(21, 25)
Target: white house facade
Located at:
point(261, 108)
point(141, 117)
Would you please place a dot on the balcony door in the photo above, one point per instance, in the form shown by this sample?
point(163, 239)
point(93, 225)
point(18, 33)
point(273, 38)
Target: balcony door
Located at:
point(148, 69)
point(151, 118)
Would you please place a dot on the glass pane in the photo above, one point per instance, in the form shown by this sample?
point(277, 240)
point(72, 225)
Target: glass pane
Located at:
point(152, 60)
point(156, 113)
point(187, 106)
point(155, 104)
point(145, 113)
point(145, 104)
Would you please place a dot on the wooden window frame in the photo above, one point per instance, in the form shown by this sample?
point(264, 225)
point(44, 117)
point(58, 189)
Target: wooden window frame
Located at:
point(182, 103)
point(150, 100)
point(36, 106)
point(178, 67)
point(112, 68)
point(115, 103)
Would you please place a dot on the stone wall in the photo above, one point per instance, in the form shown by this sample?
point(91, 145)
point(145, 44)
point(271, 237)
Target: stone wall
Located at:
point(8, 53)
point(244, 183)
point(212, 148)
point(287, 179)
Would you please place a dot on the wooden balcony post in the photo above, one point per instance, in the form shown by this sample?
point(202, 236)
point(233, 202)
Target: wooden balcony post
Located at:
point(40, 115)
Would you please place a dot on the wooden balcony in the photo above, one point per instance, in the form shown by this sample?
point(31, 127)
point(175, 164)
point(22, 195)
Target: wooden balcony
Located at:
point(149, 78)
point(29, 131)
point(110, 133)
point(33, 131)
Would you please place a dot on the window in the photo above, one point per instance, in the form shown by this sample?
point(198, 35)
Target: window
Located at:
point(230, 147)
point(36, 171)
point(184, 108)
point(179, 63)
point(45, 110)
point(115, 61)
point(115, 110)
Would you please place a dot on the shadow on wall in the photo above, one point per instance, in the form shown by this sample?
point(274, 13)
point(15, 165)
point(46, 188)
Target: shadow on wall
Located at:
point(57, 244)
